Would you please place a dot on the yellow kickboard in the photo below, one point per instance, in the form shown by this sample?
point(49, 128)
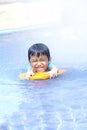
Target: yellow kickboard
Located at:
point(39, 75)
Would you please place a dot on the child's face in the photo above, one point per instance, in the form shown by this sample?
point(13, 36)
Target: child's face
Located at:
point(40, 63)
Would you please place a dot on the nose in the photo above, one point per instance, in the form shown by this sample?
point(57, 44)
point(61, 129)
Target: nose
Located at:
point(38, 64)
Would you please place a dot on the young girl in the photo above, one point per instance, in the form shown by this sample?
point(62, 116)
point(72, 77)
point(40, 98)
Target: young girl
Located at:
point(40, 61)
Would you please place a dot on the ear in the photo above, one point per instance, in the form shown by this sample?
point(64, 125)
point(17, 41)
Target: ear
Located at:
point(50, 59)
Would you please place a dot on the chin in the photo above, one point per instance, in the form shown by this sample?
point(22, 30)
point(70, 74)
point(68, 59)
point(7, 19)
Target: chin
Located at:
point(40, 70)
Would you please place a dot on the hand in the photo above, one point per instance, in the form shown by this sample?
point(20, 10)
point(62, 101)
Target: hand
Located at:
point(53, 73)
point(29, 73)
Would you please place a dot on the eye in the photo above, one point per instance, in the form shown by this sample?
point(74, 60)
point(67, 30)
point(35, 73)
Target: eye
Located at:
point(34, 61)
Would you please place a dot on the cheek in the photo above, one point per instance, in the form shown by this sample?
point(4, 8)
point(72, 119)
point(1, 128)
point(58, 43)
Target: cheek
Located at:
point(33, 64)
point(46, 65)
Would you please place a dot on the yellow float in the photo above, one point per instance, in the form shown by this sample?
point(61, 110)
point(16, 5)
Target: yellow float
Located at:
point(39, 75)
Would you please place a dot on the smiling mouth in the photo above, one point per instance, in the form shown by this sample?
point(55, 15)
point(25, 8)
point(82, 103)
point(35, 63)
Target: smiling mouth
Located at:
point(40, 69)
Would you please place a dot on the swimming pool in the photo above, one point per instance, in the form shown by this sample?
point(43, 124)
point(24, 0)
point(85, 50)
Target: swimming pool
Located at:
point(52, 104)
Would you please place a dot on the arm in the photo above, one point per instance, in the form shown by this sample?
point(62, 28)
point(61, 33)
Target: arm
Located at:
point(29, 73)
point(53, 70)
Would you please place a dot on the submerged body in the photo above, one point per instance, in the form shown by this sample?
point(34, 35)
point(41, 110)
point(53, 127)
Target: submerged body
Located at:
point(40, 75)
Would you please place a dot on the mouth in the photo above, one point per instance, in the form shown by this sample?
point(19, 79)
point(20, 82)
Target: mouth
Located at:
point(40, 70)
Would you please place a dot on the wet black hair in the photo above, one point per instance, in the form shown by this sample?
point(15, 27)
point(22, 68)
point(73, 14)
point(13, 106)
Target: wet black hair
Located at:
point(38, 49)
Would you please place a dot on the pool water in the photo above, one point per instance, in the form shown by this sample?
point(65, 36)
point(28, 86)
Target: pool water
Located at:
point(52, 104)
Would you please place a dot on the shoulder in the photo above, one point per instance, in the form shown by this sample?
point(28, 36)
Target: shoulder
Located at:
point(29, 66)
point(51, 64)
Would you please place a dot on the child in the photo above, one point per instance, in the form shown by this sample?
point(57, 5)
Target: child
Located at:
point(40, 61)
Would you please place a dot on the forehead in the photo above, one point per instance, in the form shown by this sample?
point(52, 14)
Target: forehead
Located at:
point(38, 57)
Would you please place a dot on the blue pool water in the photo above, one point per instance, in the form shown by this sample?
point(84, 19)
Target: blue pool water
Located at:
point(52, 104)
